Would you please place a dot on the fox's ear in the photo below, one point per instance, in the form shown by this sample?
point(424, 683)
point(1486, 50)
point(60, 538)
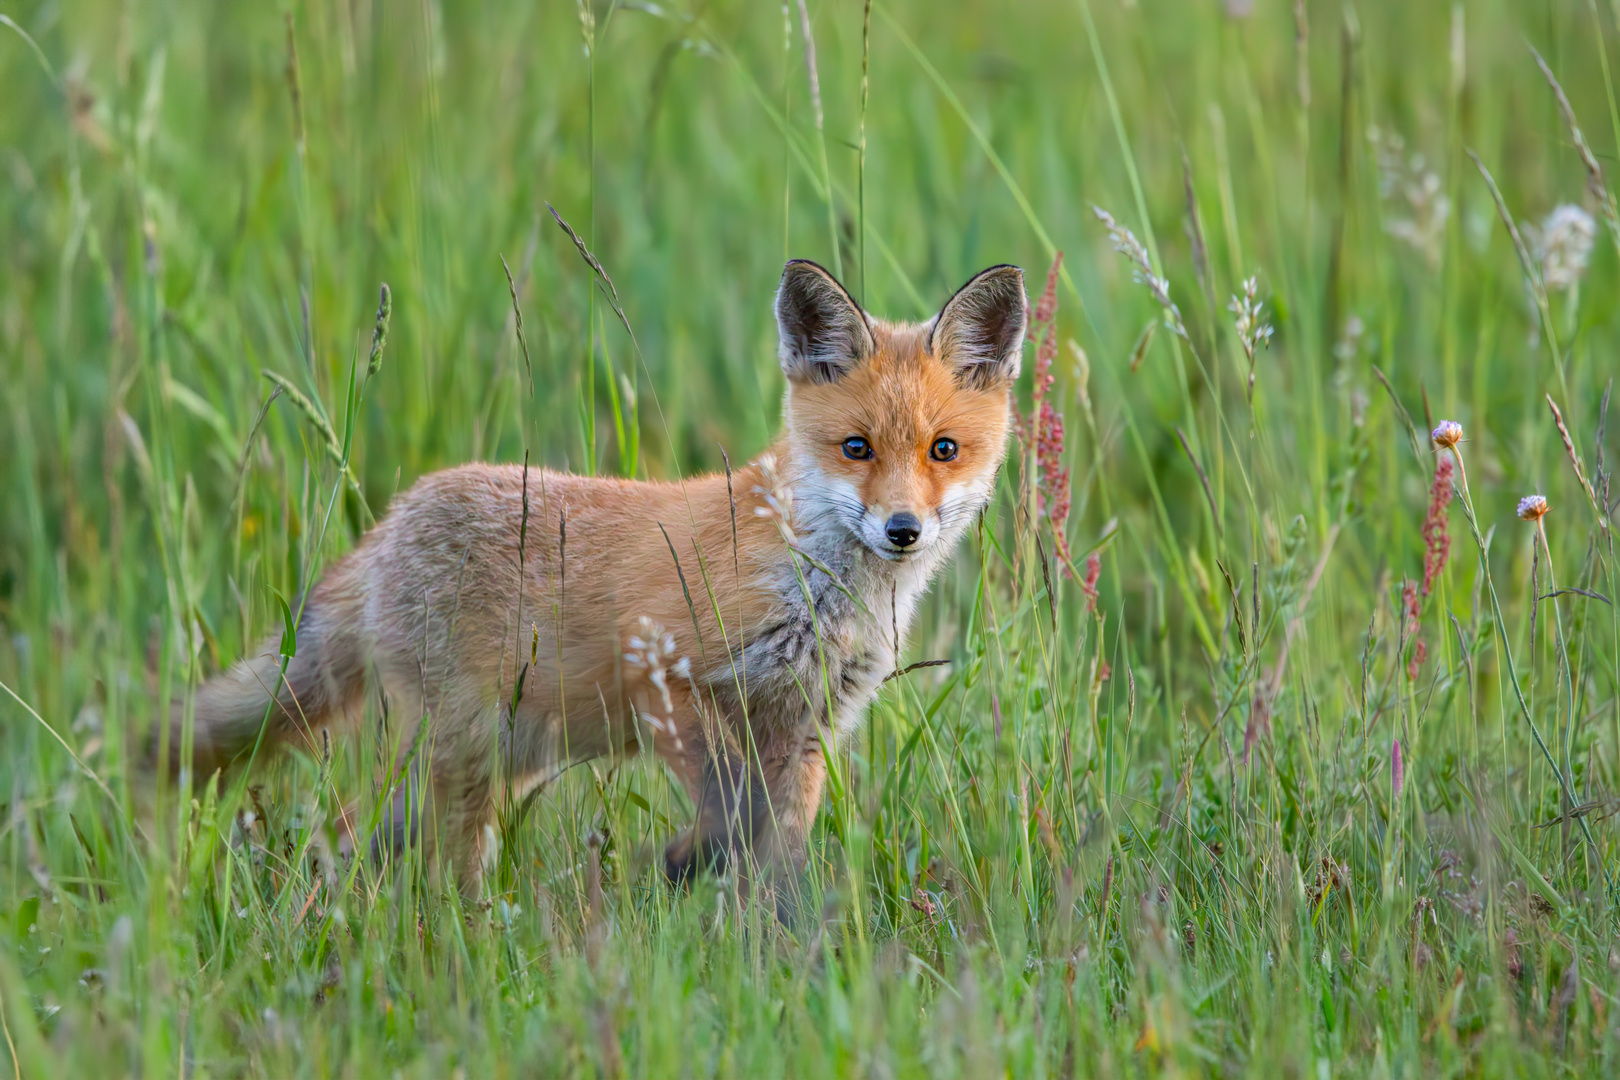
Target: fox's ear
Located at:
point(824, 333)
point(980, 332)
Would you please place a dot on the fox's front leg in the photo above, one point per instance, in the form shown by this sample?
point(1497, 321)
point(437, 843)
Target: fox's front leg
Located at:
point(794, 764)
point(726, 791)
point(754, 801)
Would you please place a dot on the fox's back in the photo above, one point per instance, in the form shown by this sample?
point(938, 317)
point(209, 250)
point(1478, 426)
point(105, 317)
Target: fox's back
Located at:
point(472, 559)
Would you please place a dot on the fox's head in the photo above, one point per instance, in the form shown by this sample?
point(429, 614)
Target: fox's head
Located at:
point(896, 430)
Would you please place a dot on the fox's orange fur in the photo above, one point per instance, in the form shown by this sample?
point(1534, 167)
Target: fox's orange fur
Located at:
point(738, 690)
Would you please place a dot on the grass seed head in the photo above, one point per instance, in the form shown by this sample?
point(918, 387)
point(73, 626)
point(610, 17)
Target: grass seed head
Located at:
point(1126, 243)
point(379, 333)
point(311, 412)
point(777, 499)
point(651, 649)
point(1252, 329)
point(1082, 372)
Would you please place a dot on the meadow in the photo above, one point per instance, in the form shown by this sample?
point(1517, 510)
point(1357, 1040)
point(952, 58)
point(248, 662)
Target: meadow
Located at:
point(1270, 739)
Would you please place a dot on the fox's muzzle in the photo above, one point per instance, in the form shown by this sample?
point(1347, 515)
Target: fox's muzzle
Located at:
point(903, 529)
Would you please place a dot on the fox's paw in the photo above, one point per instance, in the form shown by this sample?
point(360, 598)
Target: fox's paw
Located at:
point(680, 859)
point(784, 898)
point(689, 854)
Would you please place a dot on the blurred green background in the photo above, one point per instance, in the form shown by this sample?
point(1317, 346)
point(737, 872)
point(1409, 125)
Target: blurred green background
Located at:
point(197, 194)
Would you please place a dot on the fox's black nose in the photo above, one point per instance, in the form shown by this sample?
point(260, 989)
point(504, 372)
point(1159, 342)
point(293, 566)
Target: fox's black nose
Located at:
point(903, 530)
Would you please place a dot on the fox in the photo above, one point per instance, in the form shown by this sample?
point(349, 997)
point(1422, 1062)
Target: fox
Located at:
point(738, 624)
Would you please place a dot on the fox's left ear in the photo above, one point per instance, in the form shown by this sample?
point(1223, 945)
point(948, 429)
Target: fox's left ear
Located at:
point(980, 332)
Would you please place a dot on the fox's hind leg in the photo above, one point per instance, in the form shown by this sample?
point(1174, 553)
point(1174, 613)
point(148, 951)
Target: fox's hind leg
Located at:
point(448, 816)
point(463, 771)
point(443, 798)
point(469, 840)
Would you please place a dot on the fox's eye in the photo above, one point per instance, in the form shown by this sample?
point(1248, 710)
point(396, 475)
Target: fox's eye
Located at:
point(857, 448)
point(943, 450)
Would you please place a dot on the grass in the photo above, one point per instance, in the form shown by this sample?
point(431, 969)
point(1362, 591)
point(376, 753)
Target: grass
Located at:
point(1173, 834)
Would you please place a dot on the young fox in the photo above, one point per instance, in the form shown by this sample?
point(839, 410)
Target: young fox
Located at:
point(740, 625)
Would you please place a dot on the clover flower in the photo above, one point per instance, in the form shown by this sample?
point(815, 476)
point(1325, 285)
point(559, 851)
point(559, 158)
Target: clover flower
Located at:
point(1447, 435)
point(1533, 507)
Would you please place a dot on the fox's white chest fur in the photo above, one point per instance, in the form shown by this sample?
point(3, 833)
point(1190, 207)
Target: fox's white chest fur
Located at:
point(819, 660)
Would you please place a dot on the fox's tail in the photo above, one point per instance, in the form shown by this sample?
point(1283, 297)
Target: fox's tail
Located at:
point(324, 681)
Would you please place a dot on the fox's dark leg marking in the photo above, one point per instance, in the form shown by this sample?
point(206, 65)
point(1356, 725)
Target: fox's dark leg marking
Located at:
point(731, 804)
point(401, 824)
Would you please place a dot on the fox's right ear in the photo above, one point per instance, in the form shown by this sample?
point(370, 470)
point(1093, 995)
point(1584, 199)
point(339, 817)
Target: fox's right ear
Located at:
point(824, 333)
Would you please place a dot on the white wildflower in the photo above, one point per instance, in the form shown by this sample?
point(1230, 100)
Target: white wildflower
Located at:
point(1407, 179)
point(1561, 246)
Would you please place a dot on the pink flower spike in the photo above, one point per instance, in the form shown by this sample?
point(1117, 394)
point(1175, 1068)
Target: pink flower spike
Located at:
point(1411, 606)
point(1436, 539)
point(1089, 584)
point(1420, 652)
point(1044, 426)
